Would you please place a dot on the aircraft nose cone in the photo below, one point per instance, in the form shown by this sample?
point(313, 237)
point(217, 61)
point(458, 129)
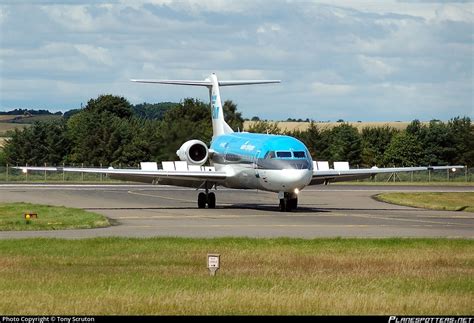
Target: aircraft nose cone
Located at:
point(286, 180)
point(295, 178)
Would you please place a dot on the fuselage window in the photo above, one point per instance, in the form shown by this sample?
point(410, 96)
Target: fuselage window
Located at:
point(299, 154)
point(284, 154)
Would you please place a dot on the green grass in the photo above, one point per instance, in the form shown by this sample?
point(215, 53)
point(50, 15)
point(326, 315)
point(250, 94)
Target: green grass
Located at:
point(438, 183)
point(451, 201)
point(257, 276)
point(49, 218)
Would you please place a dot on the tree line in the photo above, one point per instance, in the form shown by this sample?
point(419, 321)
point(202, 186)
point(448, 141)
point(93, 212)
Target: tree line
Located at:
point(110, 131)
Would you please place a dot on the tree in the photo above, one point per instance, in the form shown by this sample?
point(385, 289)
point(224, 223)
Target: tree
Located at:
point(345, 144)
point(232, 117)
point(117, 106)
point(3, 158)
point(314, 139)
point(375, 141)
point(404, 150)
point(155, 111)
point(438, 144)
point(190, 120)
point(265, 127)
point(462, 132)
point(43, 142)
point(97, 133)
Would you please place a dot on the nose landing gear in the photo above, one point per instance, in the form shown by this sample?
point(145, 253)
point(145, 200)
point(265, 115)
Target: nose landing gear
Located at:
point(289, 202)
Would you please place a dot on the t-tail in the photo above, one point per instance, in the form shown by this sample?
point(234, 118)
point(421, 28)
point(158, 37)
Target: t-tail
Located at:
point(219, 126)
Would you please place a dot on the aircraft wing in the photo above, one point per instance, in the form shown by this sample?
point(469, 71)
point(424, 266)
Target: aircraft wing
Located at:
point(332, 175)
point(164, 177)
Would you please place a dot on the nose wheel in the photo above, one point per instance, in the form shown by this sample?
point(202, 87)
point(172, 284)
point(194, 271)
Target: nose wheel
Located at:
point(208, 198)
point(289, 202)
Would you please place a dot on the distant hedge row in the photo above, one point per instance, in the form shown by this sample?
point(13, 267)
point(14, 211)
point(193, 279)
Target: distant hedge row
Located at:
point(110, 131)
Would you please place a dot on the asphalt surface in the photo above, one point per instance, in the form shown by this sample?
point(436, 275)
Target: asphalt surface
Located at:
point(323, 211)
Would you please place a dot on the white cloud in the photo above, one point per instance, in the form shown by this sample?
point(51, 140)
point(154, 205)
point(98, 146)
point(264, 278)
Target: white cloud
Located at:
point(324, 89)
point(71, 17)
point(96, 54)
point(195, 6)
point(352, 58)
point(375, 67)
point(455, 13)
point(3, 14)
point(268, 28)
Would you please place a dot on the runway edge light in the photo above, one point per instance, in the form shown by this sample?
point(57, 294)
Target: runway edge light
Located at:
point(213, 263)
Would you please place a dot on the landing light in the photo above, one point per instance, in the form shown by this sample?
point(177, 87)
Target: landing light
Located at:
point(24, 170)
point(297, 191)
point(453, 169)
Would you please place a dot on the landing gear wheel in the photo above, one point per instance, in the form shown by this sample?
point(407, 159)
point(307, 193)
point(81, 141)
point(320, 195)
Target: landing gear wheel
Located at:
point(289, 202)
point(211, 200)
point(282, 205)
point(293, 204)
point(202, 200)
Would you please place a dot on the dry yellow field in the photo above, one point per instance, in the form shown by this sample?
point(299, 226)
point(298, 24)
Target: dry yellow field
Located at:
point(291, 126)
point(4, 127)
point(5, 118)
point(2, 141)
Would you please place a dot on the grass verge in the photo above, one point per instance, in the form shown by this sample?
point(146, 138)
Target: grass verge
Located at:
point(433, 183)
point(48, 218)
point(257, 276)
point(449, 201)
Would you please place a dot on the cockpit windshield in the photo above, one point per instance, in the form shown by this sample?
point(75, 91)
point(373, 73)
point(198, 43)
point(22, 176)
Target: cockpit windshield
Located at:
point(270, 154)
point(283, 154)
point(299, 154)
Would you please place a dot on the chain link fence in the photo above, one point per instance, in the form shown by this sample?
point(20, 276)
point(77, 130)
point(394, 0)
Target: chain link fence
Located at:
point(10, 175)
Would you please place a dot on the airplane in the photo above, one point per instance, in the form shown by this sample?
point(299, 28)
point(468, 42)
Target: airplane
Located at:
point(240, 160)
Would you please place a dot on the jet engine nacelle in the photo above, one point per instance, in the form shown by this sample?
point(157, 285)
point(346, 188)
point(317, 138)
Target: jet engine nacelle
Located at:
point(194, 152)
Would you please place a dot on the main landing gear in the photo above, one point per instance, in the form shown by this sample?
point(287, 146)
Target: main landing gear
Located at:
point(208, 198)
point(289, 202)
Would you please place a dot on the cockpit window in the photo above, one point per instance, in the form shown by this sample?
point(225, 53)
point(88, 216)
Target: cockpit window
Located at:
point(299, 154)
point(270, 154)
point(284, 154)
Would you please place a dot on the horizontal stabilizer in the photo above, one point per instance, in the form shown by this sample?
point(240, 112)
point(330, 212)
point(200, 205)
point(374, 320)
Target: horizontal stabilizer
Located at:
point(248, 82)
point(206, 82)
point(176, 82)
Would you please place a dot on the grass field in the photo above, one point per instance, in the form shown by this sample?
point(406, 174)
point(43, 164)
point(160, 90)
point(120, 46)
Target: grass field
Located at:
point(434, 183)
point(41, 118)
point(257, 276)
point(8, 118)
point(48, 218)
point(290, 126)
point(452, 201)
point(8, 122)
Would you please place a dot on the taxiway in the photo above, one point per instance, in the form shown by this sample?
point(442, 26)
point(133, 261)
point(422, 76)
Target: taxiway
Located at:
point(323, 211)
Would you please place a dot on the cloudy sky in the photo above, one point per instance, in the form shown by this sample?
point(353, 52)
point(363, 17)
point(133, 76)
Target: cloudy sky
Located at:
point(352, 60)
